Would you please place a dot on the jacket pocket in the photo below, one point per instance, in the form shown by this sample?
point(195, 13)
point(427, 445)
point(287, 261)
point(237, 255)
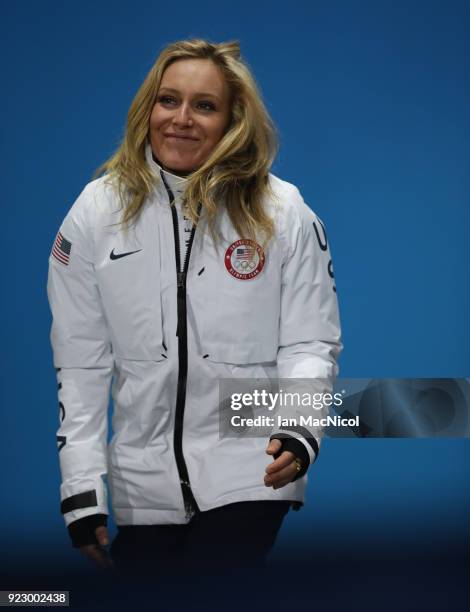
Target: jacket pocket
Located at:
point(240, 317)
point(129, 284)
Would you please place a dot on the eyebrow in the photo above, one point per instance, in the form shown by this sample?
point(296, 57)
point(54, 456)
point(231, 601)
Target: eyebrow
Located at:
point(200, 93)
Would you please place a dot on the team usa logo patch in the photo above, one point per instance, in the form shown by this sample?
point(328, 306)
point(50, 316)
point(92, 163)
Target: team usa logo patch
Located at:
point(244, 259)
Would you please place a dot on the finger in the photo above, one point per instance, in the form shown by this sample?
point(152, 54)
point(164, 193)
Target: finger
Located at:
point(101, 534)
point(92, 551)
point(280, 463)
point(274, 446)
point(281, 484)
point(286, 473)
point(97, 555)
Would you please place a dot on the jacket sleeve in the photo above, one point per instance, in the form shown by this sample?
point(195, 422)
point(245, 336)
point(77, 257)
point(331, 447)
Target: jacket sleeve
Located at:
point(310, 337)
point(83, 360)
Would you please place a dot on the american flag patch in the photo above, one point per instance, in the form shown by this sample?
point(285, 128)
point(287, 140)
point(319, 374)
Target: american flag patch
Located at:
point(61, 249)
point(245, 253)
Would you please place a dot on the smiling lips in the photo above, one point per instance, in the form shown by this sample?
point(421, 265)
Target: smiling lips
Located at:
point(177, 137)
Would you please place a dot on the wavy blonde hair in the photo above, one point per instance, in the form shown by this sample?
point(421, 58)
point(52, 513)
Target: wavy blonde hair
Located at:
point(236, 171)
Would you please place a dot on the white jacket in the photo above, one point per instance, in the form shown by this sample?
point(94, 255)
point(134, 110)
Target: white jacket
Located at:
point(115, 307)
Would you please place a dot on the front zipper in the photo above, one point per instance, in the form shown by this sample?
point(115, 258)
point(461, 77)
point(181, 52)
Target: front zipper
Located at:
point(190, 504)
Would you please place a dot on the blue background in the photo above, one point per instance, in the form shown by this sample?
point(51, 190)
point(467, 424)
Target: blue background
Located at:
point(372, 101)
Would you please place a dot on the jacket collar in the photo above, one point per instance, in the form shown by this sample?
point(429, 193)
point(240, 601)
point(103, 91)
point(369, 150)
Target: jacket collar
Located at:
point(176, 183)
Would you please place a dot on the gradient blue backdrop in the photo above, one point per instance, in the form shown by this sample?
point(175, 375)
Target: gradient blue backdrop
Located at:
point(372, 104)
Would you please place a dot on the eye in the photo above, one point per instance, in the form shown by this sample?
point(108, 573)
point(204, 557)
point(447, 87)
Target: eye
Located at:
point(206, 105)
point(166, 99)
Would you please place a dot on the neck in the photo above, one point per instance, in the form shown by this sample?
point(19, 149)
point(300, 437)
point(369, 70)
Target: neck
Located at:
point(176, 172)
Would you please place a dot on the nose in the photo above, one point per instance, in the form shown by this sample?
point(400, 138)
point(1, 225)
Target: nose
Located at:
point(183, 115)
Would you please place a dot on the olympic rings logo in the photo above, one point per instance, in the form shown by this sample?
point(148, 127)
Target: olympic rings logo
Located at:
point(245, 266)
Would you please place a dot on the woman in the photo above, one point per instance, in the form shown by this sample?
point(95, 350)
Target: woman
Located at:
point(186, 262)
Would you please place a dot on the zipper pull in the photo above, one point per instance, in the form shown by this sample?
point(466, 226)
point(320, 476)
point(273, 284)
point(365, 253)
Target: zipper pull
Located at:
point(188, 506)
point(189, 512)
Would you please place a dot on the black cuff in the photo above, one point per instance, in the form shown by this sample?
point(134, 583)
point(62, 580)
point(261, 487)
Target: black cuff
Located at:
point(82, 531)
point(294, 446)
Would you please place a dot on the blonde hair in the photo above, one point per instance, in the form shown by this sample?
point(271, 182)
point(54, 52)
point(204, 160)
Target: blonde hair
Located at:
point(236, 172)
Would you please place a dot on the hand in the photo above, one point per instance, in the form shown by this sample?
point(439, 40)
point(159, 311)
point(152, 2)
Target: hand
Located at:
point(281, 471)
point(97, 553)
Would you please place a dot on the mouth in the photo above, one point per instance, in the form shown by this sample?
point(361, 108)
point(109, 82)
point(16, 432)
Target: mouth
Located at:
point(178, 137)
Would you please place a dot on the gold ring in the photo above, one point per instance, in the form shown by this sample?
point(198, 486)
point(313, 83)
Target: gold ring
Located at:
point(298, 464)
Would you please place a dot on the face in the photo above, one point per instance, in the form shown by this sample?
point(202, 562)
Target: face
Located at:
point(190, 115)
